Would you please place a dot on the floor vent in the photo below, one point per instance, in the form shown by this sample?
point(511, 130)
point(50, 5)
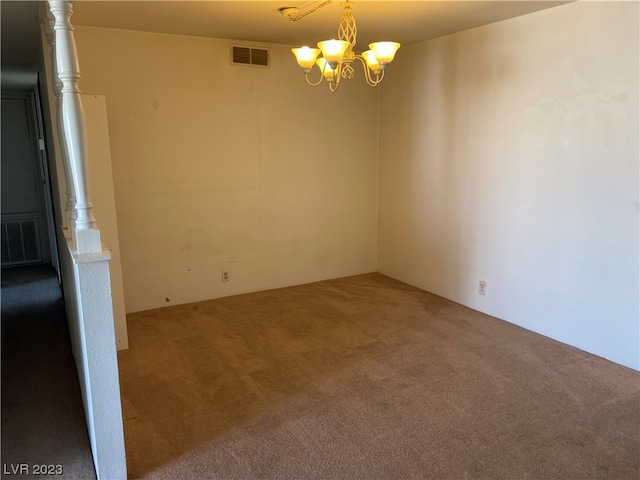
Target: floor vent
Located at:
point(20, 242)
point(243, 55)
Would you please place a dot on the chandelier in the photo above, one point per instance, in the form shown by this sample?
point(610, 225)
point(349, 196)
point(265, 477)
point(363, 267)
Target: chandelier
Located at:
point(338, 56)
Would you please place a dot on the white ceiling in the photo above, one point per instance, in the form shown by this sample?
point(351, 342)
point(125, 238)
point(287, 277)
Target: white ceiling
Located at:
point(260, 21)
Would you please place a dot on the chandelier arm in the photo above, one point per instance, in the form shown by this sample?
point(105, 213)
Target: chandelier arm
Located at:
point(313, 84)
point(372, 82)
point(334, 83)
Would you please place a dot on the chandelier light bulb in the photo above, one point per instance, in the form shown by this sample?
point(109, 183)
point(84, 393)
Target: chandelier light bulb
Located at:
point(384, 51)
point(325, 68)
point(372, 61)
point(333, 51)
point(306, 57)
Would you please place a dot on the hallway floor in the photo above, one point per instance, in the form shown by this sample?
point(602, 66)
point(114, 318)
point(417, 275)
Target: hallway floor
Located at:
point(42, 415)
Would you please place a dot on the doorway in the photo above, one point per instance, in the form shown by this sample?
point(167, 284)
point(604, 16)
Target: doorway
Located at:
point(27, 219)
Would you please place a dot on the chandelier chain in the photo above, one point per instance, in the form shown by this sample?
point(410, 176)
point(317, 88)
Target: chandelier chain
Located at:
point(308, 12)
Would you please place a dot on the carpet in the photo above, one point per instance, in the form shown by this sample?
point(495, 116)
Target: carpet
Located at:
point(367, 378)
point(43, 420)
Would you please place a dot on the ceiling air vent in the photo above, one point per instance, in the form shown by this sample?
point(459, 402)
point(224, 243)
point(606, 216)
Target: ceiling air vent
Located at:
point(243, 55)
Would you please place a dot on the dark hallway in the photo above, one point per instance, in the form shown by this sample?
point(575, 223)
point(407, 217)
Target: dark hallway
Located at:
point(43, 420)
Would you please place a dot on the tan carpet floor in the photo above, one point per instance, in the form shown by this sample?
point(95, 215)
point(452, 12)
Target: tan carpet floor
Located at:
point(367, 378)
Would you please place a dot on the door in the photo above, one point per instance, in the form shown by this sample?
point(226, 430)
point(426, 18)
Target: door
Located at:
point(25, 229)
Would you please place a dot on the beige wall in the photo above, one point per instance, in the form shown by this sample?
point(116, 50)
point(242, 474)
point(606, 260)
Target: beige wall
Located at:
point(101, 190)
point(225, 167)
point(509, 154)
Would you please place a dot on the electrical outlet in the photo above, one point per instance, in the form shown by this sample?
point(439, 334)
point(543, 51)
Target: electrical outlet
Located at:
point(225, 275)
point(482, 287)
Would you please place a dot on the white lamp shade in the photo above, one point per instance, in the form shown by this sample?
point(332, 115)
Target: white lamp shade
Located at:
point(306, 56)
point(325, 68)
point(384, 51)
point(333, 50)
point(371, 61)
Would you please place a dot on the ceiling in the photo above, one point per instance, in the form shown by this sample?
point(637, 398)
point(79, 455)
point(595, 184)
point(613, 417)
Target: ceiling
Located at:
point(260, 21)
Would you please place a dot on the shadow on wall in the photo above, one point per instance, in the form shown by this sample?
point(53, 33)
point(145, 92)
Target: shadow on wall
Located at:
point(448, 192)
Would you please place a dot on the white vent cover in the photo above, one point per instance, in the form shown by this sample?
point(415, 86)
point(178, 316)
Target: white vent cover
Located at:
point(245, 55)
point(20, 242)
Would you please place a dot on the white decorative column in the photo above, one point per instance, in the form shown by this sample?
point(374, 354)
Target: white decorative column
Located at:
point(85, 272)
point(87, 234)
point(69, 214)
